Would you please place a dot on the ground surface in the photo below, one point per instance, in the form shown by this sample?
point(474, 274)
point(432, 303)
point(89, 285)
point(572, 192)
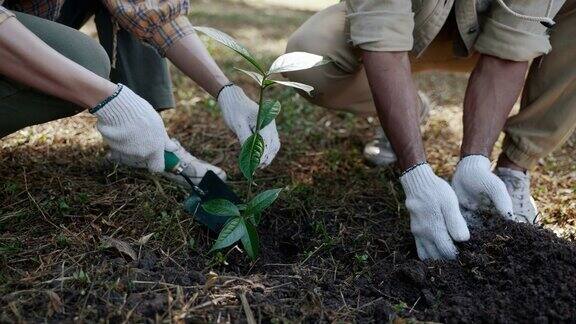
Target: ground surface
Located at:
point(336, 246)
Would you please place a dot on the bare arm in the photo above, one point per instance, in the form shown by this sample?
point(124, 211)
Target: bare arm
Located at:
point(395, 96)
point(28, 60)
point(435, 219)
point(192, 58)
point(492, 91)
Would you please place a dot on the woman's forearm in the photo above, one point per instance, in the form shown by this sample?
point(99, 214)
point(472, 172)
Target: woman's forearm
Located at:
point(25, 58)
point(192, 58)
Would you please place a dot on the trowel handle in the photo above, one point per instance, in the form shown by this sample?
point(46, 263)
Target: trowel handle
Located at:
point(171, 162)
point(172, 165)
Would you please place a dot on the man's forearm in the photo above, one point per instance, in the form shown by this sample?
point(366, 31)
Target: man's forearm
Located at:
point(395, 96)
point(192, 58)
point(27, 59)
point(492, 91)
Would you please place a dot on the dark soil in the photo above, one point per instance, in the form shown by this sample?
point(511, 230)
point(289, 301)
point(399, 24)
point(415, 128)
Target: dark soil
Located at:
point(507, 273)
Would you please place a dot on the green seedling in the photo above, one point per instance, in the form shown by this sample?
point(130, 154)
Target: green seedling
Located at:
point(245, 218)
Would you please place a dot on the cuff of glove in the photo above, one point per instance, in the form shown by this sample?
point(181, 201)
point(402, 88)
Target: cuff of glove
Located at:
point(474, 162)
point(420, 176)
point(122, 106)
point(229, 94)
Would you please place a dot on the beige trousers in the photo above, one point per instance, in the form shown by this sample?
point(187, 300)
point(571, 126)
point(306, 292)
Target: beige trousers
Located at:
point(548, 111)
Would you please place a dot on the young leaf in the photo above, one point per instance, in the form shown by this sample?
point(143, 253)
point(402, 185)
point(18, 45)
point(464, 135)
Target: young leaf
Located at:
point(270, 109)
point(262, 201)
point(295, 61)
point(251, 154)
point(308, 89)
point(255, 218)
point(250, 240)
point(221, 207)
point(232, 231)
point(254, 75)
point(231, 43)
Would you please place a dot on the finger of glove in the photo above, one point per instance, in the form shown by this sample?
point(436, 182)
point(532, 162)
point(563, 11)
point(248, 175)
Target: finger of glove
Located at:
point(501, 198)
point(444, 245)
point(455, 222)
point(155, 162)
point(272, 144)
point(420, 250)
point(462, 195)
point(243, 131)
point(431, 250)
point(171, 146)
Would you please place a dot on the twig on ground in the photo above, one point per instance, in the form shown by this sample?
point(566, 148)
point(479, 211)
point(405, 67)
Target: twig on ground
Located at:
point(247, 310)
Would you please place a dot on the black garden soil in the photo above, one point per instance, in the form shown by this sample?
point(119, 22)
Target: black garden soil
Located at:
point(507, 273)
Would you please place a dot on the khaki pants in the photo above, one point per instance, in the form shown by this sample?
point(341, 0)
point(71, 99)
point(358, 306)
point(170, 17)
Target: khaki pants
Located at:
point(548, 111)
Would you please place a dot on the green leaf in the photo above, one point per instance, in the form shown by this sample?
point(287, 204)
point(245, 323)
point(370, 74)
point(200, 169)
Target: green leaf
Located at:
point(268, 83)
point(231, 43)
point(296, 61)
point(270, 109)
point(262, 201)
point(251, 154)
point(221, 207)
point(250, 240)
point(232, 231)
point(254, 75)
point(255, 218)
point(308, 89)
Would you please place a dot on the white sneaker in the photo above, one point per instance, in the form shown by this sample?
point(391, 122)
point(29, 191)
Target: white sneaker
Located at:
point(193, 167)
point(518, 185)
point(379, 150)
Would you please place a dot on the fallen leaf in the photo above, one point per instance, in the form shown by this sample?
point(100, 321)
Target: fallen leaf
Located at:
point(119, 245)
point(55, 303)
point(211, 280)
point(144, 239)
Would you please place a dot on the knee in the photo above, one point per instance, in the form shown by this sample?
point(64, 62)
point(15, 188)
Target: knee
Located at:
point(91, 56)
point(298, 43)
point(99, 61)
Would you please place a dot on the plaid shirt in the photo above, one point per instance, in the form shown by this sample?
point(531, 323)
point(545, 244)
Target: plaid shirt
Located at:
point(160, 23)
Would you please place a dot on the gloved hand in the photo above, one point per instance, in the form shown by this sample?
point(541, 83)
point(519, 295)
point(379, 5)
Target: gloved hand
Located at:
point(435, 218)
point(131, 126)
point(240, 114)
point(478, 189)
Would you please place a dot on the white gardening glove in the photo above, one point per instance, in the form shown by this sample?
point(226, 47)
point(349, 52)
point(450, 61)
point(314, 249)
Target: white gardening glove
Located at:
point(131, 126)
point(478, 189)
point(240, 114)
point(435, 218)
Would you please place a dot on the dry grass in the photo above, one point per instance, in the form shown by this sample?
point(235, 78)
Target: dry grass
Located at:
point(60, 202)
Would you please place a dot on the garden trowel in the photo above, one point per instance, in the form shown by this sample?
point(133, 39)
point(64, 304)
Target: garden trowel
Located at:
point(210, 187)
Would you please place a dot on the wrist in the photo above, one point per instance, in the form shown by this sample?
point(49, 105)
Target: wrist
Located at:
point(470, 162)
point(230, 96)
point(122, 107)
point(415, 178)
point(95, 108)
point(229, 84)
point(90, 95)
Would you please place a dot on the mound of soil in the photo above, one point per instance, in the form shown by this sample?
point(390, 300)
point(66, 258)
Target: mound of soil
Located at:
point(507, 272)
